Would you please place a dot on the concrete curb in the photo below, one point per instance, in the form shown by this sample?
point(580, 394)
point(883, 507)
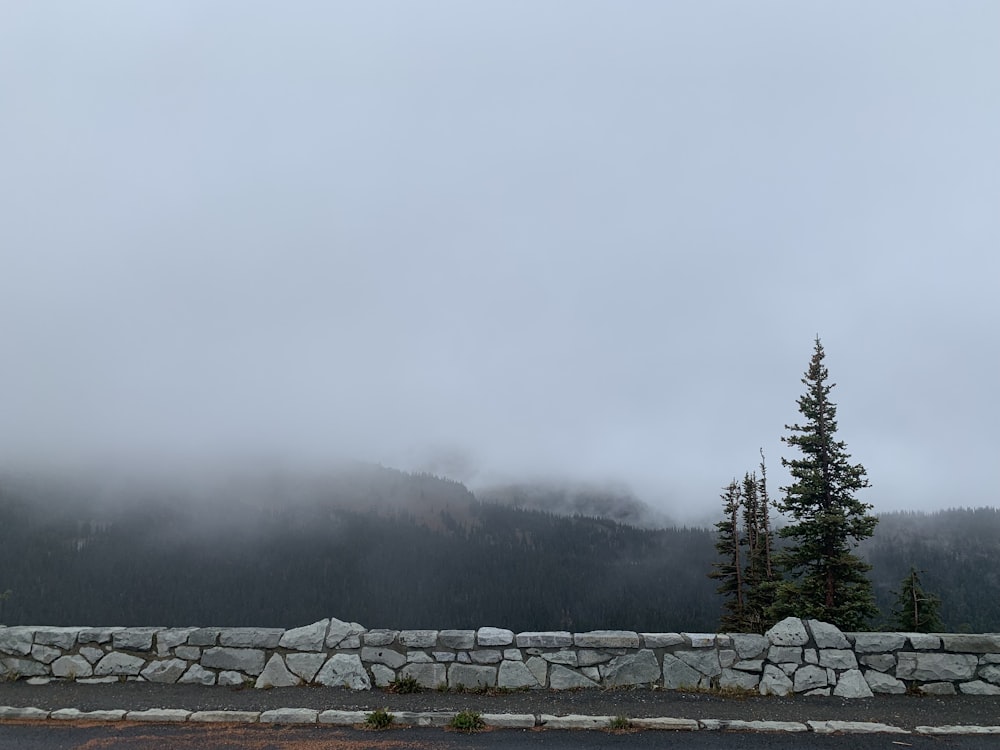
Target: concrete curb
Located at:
point(500, 721)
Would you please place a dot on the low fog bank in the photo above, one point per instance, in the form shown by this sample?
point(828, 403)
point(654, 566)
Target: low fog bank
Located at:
point(231, 490)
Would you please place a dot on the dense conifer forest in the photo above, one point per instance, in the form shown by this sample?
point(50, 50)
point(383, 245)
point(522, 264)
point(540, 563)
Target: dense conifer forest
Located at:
point(389, 549)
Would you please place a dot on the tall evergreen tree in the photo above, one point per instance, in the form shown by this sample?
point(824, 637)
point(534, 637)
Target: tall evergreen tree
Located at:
point(917, 611)
point(729, 572)
point(825, 579)
point(760, 577)
point(743, 541)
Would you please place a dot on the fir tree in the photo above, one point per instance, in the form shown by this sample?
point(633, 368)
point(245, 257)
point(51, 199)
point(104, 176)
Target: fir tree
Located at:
point(916, 611)
point(825, 579)
point(744, 541)
point(729, 572)
point(759, 577)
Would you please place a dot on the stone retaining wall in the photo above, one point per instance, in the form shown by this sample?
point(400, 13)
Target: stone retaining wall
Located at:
point(795, 656)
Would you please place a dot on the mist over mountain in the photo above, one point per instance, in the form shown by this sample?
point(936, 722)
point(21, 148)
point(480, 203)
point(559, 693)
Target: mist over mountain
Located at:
point(613, 501)
point(393, 549)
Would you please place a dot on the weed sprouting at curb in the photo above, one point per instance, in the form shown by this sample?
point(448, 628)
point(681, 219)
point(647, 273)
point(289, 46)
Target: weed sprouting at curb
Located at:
point(467, 721)
point(620, 723)
point(403, 686)
point(379, 719)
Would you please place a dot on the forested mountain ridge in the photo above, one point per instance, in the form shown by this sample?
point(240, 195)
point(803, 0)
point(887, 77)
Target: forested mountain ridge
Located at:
point(390, 549)
point(381, 547)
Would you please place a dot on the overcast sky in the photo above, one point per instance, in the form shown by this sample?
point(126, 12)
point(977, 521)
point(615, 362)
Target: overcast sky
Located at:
point(504, 239)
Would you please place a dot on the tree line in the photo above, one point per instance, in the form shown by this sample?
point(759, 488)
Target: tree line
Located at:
point(817, 571)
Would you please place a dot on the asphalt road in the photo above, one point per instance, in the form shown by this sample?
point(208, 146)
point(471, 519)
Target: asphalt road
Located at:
point(46, 736)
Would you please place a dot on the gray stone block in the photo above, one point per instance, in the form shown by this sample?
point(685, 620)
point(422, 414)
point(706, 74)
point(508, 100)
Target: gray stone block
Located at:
point(248, 660)
point(515, 675)
point(700, 640)
point(165, 671)
point(307, 638)
point(837, 658)
point(574, 721)
point(119, 665)
point(661, 640)
point(188, 653)
point(550, 639)
point(16, 640)
point(634, 669)
point(539, 668)
point(75, 714)
point(16, 712)
point(607, 639)
point(564, 678)
point(305, 665)
point(883, 683)
point(344, 670)
point(494, 637)
point(171, 638)
point(930, 667)
point(289, 716)
point(678, 674)
point(232, 678)
point(869, 643)
point(990, 672)
point(565, 657)
point(487, 656)
point(735, 679)
point(251, 637)
point(784, 655)
point(588, 658)
point(706, 662)
point(72, 667)
point(380, 637)
point(343, 718)
point(382, 675)
point(881, 662)
point(457, 639)
point(937, 688)
point(159, 715)
point(341, 631)
point(134, 639)
point(471, 676)
point(418, 657)
point(225, 717)
point(197, 675)
point(775, 682)
point(851, 684)
point(64, 638)
point(96, 635)
point(427, 675)
point(809, 678)
point(853, 727)
point(969, 644)
point(203, 637)
point(924, 641)
point(372, 655)
point(749, 645)
point(276, 675)
point(826, 635)
point(789, 632)
point(978, 687)
point(418, 638)
point(45, 654)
